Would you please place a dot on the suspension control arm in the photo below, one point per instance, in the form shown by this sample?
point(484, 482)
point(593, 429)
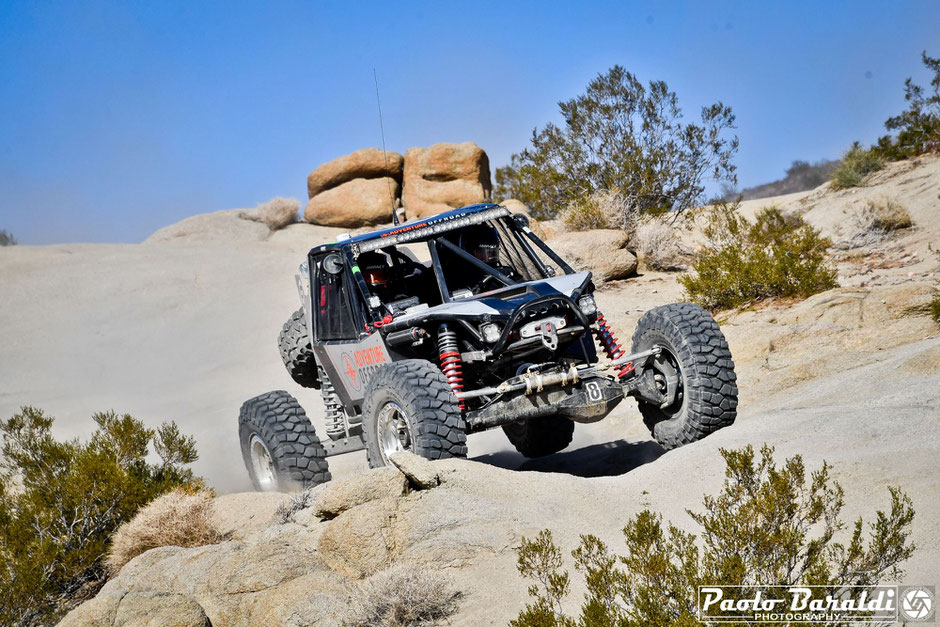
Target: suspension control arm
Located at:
point(533, 382)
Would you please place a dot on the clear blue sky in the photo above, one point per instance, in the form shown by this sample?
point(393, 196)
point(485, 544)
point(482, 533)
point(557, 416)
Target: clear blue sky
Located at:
point(117, 118)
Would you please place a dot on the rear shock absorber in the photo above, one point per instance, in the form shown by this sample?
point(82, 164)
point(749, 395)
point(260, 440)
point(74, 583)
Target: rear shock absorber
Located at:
point(611, 346)
point(334, 417)
point(451, 365)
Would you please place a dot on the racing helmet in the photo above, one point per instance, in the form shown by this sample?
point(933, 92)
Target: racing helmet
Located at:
point(375, 270)
point(481, 241)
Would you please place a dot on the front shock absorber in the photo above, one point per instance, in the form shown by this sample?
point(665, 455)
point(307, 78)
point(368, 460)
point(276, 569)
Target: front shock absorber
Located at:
point(451, 365)
point(334, 417)
point(612, 347)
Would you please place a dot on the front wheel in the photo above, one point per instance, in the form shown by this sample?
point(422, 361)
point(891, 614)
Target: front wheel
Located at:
point(280, 448)
point(694, 373)
point(410, 407)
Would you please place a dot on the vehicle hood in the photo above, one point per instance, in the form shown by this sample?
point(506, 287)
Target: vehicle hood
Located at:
point(501, 303)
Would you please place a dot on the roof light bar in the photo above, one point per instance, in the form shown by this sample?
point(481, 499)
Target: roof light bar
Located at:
point(429, 228)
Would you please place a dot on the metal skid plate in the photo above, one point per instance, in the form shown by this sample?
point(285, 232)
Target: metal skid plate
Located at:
point(590, 400)
point(346, 445)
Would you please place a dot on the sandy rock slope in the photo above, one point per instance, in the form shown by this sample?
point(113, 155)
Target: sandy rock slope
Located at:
point(186, 329)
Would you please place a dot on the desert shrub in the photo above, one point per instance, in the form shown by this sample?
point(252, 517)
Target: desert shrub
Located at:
point(622, 135)
point(603, 209)
point(584, 215)
point(275, 213)
point(182, 517)
point(60, 502)
point(875, 221)
point(7, 239)
point(857, 163)
point(286, 511)
point(618, 211)
point(744, 262)
point(658, 245)
point(890, 215)
point(918, 127)
point(403, 595)
point(769, 525)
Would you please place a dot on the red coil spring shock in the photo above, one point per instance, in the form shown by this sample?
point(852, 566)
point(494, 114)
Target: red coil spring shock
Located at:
point(450, 361)
point(611, 346)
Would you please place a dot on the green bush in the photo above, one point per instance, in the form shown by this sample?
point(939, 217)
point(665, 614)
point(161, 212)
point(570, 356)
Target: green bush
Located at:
point(584, 214)
point(776, 256)
point(622, 135)
point(856, 164)
point(61, 501)
point(918, 127)
point(768, 526)
point(7, 239)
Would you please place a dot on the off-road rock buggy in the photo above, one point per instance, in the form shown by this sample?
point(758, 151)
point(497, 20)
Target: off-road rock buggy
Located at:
point(492, 330)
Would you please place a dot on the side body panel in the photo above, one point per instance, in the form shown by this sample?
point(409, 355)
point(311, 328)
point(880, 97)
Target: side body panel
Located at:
point(350, 364)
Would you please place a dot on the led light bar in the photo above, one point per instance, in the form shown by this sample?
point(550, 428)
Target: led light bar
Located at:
point(429, 228)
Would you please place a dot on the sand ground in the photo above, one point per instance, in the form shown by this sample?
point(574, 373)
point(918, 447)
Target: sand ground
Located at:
point(185, 329)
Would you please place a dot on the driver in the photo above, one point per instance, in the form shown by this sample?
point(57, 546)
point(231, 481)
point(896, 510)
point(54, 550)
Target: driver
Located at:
point(377, 272)
point(482, 241)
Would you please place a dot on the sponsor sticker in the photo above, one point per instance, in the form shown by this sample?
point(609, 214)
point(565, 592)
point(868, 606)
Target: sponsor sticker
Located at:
point(359, 365)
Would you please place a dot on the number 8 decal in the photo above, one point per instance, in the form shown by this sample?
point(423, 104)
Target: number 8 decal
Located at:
point(593, 391)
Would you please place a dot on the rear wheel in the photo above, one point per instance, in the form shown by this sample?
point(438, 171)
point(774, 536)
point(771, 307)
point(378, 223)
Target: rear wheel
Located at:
point(280, 448)
point(296, 351)
point(541, 436)
point(410, 406)
point(694, 372)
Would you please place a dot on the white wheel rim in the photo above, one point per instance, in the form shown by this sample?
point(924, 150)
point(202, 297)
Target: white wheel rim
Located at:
point(262, 464)
point(393, 433)
point(665, 364)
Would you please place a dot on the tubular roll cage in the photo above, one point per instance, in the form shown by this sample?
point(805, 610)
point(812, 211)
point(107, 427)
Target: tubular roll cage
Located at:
point(431, 231)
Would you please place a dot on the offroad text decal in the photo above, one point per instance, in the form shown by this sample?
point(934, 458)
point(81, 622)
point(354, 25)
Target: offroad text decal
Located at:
point(355, 363)
point(359, 369)
point(411, 227)
point(370, 356)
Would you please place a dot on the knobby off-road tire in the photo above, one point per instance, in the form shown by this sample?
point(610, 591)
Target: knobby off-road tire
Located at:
point(695, 344)
point(274, 430)
point(410, 406)
point(538, 437)
point(297, 352)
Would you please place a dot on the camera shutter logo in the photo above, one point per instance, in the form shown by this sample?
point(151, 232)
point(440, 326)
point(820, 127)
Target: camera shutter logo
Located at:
point(917, 604)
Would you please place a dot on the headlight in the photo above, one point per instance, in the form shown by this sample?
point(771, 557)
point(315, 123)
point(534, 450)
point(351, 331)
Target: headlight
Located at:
point(491, 333)
point(587, 305)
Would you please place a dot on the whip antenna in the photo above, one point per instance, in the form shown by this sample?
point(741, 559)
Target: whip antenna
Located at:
point(388, 173)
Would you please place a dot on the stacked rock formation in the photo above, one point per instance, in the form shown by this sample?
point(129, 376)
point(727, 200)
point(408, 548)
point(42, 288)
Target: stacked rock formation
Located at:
point(443, 177)
point(355, 190)
point(358, 189)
